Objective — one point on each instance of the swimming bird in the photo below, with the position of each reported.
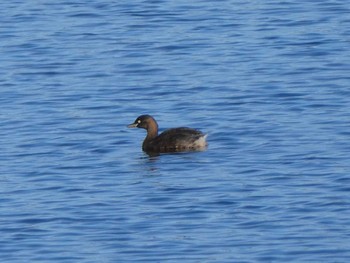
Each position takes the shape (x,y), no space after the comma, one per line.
(172,140)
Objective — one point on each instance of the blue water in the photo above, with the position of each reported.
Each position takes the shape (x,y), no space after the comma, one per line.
(268,81)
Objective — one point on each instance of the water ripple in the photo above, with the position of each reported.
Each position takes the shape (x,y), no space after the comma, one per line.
(268,82)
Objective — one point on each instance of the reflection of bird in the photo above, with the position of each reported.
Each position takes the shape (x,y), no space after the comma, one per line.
(172,140)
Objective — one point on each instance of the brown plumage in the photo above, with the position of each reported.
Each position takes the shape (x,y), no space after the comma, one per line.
(171,140)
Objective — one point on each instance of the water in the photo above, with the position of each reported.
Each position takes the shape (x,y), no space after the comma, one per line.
(268,81)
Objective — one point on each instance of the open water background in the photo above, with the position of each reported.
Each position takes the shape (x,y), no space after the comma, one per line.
(269,81)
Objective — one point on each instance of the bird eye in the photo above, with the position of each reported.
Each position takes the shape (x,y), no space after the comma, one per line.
(138,121)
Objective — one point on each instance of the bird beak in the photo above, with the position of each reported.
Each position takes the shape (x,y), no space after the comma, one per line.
(133,125)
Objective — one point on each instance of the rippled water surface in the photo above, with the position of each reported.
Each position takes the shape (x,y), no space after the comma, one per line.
(268,81)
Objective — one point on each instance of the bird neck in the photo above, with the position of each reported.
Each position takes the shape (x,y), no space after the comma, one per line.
(152,132)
